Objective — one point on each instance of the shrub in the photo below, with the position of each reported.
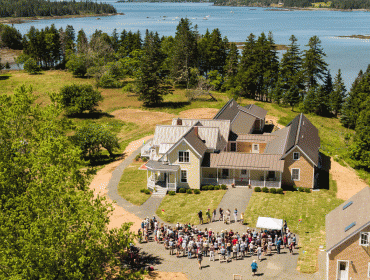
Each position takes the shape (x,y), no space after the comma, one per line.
(142,190)
(109,81)
(92,137)
(307,190)
(182,190)
(77,65)
(79,98)
(257,189)
(216,188)
(137,157)
(197,191)
(301,189)
(223,187)
(31,67)
(211,188)
(265,189)
(145,159)
(171,192)
(204,188)
(280,191)
(189,191)
(147,191)
(272,190)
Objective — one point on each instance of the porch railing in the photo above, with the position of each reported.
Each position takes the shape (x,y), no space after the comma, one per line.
(171,186)
(209,181)
(226,181)
(272,184)
(240,182)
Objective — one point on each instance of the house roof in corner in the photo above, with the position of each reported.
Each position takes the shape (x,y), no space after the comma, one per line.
(347,219)
(243,123)
(254,110)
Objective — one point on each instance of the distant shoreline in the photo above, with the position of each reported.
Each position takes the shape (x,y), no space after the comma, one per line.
(356,36)
(279,47)
(19,20)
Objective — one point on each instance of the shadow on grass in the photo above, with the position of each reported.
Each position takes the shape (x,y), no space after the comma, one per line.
(171,105)
(104,159)
(91,115)
(3,78)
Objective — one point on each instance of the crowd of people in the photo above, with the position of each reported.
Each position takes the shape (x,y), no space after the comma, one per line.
(186,240)
(225,216)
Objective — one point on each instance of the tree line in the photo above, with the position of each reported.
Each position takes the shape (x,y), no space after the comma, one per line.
(32,8)
(337,4)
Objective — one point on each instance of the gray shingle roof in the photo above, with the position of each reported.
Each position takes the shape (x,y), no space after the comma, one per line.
(304,135)
(243,123)
(338,219)
(244,161)
(254,110)
(195,142)
(276,145)
(228,111)
(157,165)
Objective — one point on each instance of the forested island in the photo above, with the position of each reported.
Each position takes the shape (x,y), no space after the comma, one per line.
(44,8)
(334,4)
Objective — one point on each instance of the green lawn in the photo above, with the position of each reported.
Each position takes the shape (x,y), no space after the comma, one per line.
(312,207)
(183,208)
(132,181)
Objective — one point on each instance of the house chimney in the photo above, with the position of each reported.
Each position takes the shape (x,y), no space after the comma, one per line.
(179,121)
(196,131)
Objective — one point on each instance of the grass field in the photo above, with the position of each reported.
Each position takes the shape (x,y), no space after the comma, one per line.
(183,208)
(132,181)
(312,207)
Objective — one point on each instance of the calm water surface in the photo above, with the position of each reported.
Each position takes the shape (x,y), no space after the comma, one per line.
(350,55)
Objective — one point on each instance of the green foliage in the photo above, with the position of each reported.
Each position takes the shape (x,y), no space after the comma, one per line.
(32,8)
(77,65)
(307,190)
(147,191)
(338,94)
(196,191)
(216,188)
(138,157)
(204,188)
(31,67)
(265,189)
(113,74)
(272,190)
(280,191)
(171,193)
(215,79)
(223,187)
(45,204)
(211,188)
(189,191)
(300,189)
(92,137)
(257,189)
(142,190)
(182,190)
(76,99)
(10,37)
(7,65)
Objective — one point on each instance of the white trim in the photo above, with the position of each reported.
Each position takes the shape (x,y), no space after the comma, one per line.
(368,270)
(348,237)
(183,151)
(368,237)
(299,174)
(258,148)
(178,143)
(327,266)
(346,269)
(299,155)
(296,146)
(183,170)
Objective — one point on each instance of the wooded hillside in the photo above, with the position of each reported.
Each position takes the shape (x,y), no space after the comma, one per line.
(31,8)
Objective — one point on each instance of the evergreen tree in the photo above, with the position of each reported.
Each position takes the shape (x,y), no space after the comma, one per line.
(184,52)
(231,67)
(204,53)
(149,80)
(314,65)
(115,40)
(310,100)
(82,43)
(322,101)
(218,51)
(338,94)
(272,67)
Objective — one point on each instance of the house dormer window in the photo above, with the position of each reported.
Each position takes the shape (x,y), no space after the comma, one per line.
(296,155)
(255,148)
(364,238)
(184,156)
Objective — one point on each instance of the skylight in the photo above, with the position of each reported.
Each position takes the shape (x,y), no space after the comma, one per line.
(347,205)
(350,226)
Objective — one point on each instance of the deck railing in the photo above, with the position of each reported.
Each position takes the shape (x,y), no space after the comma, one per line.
(239,182)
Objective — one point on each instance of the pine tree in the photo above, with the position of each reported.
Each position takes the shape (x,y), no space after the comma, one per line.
(149,80)
(272,67)
(115,40)
(310,101)
(204,53)
(184,53)
(231,67)
(338,94)
(82,43)
(314,66)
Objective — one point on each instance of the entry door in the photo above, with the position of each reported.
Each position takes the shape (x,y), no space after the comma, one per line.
(342,270)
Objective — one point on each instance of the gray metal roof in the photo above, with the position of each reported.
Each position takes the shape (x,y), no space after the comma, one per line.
(262,138)
(304,135)
(244,161)
(338,219)
(210,135)
(254,110)
(276,145)
(243,123)
(160,166)
(195,142)
(169,134)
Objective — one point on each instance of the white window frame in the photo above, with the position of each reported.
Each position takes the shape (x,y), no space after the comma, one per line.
(184,156)
(186,176)
(368,237)
(368,270)
(338,261)
(296,153)
(299,174)
(256,151)
(236,147)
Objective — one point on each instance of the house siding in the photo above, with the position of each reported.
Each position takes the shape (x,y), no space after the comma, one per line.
(193,167)
(246,147)
(350,251)
(306,170)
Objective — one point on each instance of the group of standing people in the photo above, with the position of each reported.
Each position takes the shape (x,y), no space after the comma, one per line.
(225,216)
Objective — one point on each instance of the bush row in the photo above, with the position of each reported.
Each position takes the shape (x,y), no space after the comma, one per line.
(267,190)
(146,191)
(189,191)
(211,188)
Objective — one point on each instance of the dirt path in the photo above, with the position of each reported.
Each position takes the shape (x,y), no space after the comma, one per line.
(274,120)
(348,182)
(161,275)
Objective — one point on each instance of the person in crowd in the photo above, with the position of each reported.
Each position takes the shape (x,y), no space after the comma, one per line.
(294,241)
(242,218)
(221,214)
(278,244)
(200,258)
(212,253)
(208,214)
(200,215)
(235,215)
(259,253)
(214,215)
(254,267)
